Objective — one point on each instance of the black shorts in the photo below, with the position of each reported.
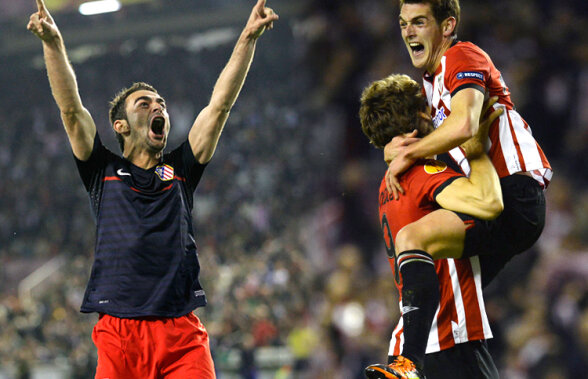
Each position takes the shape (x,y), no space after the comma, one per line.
(513,232)
(470,360)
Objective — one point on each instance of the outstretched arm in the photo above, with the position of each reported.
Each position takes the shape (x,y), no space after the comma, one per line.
(207,128)
(77,120)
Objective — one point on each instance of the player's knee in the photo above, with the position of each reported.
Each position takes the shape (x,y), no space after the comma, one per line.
(409,238)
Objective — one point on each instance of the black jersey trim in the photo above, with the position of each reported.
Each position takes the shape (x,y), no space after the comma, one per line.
(468,85)
(444,185)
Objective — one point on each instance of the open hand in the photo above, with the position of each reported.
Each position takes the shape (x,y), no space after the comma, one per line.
(42,25)
(397,144)
(261,18)
(394,155)
(397,167)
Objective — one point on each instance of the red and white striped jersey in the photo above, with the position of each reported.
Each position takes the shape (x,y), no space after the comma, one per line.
(461,316)
(512,146)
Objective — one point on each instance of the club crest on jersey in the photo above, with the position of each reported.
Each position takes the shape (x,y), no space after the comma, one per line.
(433,166)
(165,172)
(470,75)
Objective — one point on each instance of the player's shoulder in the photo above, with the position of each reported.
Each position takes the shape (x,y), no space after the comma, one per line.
(465,50)
(421,171)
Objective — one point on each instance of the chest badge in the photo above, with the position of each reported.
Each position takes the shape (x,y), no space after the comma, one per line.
(434,167)
(165,172)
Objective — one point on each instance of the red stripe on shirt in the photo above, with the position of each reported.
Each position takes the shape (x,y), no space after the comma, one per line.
(469,296)
(448,311)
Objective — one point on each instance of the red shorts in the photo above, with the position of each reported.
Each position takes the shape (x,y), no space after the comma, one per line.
(152,347)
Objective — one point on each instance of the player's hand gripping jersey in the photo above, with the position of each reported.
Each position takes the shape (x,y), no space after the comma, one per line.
(461,316)
(512,146)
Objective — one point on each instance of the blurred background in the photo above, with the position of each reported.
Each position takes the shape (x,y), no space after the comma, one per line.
(286,214)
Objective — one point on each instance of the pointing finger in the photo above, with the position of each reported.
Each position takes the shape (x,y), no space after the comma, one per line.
(259,7)
(41,5)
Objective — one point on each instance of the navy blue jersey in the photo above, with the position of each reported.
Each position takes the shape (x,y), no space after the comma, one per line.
(145,262)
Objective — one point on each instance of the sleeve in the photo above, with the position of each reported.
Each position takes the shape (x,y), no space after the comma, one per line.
(92,173)
(466,67)
(183,158)
(92,168)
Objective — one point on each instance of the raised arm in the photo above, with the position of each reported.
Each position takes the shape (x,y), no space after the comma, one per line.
(479,194)
(77,121)
(207,128)
(459,126)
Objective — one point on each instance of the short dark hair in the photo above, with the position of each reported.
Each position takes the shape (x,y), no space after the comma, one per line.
(391,107)
(117,109)
(442,9)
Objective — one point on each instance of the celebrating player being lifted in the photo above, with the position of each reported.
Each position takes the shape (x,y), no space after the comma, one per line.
(457,77)
(144,280)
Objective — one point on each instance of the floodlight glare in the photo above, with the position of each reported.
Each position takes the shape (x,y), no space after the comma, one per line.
(97,7)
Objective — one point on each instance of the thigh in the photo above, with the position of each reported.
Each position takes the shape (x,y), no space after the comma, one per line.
(186,351)
(516,229)
(469,360)
(440,233)
(524,211)
(521,224)
(118,357)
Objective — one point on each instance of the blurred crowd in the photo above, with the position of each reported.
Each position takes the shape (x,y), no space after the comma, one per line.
(286,213)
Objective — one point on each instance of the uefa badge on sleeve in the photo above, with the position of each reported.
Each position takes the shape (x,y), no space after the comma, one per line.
(165,172)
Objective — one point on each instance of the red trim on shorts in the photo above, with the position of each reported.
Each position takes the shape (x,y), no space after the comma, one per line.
(469,224)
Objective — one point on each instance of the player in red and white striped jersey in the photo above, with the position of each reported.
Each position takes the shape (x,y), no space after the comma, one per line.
(512,146)
(445,293)
(458,76)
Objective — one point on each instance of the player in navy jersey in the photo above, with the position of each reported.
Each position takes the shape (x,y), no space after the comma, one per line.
(144,280)
(418,231)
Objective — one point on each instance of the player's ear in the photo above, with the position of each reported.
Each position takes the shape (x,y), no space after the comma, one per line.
(426,124)
(121,126)
(425,116)
(448,26)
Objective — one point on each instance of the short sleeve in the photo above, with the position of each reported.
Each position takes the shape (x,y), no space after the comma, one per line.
(183,160)
(94,165)
(429,178)
(466,67)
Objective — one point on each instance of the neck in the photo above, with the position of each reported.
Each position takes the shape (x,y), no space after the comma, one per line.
(443,47)
(143,159)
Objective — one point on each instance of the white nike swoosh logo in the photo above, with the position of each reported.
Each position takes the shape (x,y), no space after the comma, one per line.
(407,309)
(120,172)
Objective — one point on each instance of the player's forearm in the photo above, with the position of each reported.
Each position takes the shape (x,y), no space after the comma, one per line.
(452,133)
(461,124)
(486,185)
(231,79)
(61,77)
(207,128)
(479,195)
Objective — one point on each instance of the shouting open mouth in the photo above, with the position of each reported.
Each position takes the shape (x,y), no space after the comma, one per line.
(158,127)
